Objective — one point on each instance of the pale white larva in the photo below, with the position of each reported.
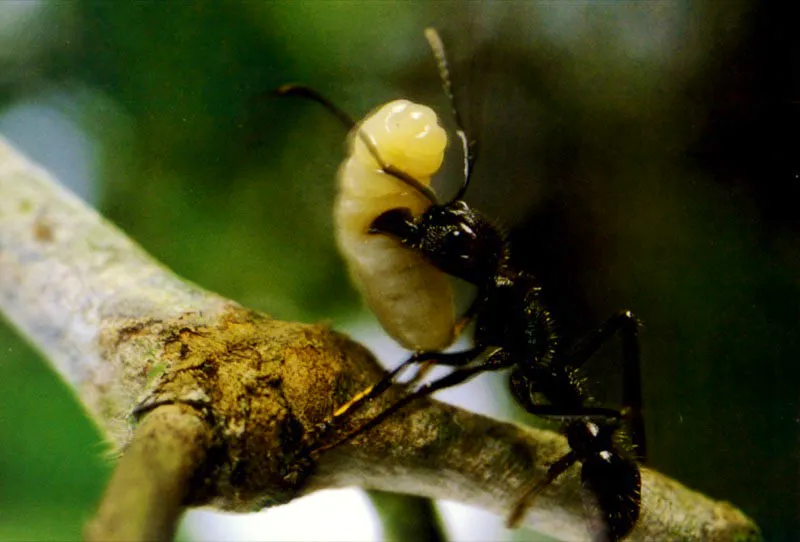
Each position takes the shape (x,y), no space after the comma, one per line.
(412,300)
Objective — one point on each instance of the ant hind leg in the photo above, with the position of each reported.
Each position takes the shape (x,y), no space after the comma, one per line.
(627,325)
(532,490)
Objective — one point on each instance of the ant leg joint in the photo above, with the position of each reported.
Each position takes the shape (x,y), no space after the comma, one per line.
(628,316)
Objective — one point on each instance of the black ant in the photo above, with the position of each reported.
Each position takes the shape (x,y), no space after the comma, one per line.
(514,330)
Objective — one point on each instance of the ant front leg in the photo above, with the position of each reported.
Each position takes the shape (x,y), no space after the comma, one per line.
(357,401)
(627,325)
(498,360)
(424,359)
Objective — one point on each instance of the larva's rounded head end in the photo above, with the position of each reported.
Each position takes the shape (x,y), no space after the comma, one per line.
(407,136)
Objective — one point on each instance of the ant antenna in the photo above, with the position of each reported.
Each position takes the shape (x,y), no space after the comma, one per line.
(309,93)
(467,147)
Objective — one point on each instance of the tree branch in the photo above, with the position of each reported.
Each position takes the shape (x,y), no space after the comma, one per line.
(144,499)
(209,400)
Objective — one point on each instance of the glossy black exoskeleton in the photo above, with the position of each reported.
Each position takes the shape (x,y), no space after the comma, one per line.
(514,330)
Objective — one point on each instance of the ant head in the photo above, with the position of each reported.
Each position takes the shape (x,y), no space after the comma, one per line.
(453,237)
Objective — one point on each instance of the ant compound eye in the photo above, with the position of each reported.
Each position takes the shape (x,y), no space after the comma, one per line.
(407,136)
(456,241)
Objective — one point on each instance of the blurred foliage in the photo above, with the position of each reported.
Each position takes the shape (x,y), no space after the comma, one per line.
(396,510)
(637,151)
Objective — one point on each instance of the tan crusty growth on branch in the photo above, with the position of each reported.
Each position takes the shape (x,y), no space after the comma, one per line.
(208,401)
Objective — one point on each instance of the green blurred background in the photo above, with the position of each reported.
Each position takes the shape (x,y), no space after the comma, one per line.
(640,155)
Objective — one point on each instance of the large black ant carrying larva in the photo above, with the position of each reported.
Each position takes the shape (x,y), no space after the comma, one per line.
(513,330)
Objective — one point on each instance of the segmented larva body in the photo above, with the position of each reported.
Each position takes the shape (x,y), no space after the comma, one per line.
(411,299)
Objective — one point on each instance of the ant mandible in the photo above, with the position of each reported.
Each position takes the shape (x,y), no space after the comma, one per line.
(513,330)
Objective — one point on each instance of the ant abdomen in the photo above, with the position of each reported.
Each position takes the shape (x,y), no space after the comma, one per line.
(614,483)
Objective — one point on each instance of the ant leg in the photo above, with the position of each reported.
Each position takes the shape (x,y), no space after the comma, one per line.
(429,360)
(453,359)
(627,325)
(533,489)
(519,390)
(359,399)
(309,93)
(560,413)
(374,390)
(498,360)
(425,359)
